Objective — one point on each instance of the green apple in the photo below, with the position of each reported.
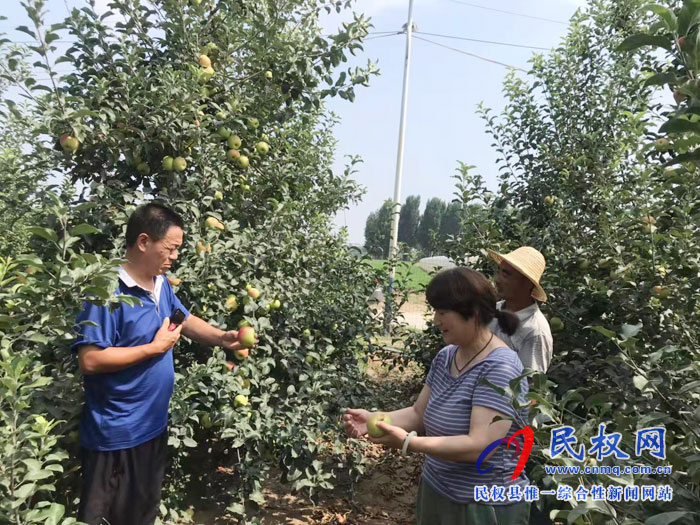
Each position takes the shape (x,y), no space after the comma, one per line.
(179,164)
(207,73)
(240,400)
(243,323)
(243,161)
(262,147)
(246,337)
(69,143)
(245,187)
(143,168)
(254,123)
(234,141)
(662,144)
(661,291)
(372,428)
(248,286)
(167,163)
(218,195)
(268,75)
(275,304)
(205,420)
(556,324)
(307,333)
(231,303)
(223,132)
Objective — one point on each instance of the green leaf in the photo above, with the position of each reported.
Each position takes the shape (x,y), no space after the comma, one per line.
(631,330)
(661,79)
(669,517)
(601,330)
(679,125)
(666,15)
(641,40)
(189,442)
(640,382)
(45,233)
(84,229)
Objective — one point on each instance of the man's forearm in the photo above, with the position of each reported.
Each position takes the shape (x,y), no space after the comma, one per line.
(201,331)
(94,360)
(448,448)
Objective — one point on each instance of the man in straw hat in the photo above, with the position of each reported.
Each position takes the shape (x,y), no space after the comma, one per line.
(518,283)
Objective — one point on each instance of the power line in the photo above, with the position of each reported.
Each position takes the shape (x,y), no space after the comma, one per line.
(470,54)
(483,41)
(383,36)
(508,12)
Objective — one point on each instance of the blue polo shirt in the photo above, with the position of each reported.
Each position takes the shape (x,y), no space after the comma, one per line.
(127,408)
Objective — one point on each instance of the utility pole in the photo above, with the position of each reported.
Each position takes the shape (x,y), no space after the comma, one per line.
(393,243)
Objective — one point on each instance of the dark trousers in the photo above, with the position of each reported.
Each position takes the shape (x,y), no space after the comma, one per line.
(122,487)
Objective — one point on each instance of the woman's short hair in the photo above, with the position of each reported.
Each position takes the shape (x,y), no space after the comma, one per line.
(468,293)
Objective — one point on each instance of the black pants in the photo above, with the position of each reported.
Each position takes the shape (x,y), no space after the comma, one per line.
(122,487)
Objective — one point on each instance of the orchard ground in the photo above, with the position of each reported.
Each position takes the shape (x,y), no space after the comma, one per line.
(386,493)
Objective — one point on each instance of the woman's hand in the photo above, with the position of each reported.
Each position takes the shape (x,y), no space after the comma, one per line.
(393,436)
(355,420)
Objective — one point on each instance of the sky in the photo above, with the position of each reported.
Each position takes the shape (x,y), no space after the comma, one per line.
(445,87)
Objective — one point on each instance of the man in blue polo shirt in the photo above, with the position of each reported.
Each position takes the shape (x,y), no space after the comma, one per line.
(127,361)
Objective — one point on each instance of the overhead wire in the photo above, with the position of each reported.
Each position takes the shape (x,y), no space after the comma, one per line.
(477,6)
(470,54)
(482,41)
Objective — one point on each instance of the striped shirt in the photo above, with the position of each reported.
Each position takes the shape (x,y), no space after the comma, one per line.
(448,414)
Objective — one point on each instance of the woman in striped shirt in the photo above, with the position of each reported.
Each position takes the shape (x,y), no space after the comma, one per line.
(457,414)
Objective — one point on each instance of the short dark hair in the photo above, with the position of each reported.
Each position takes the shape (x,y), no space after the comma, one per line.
(468,293)
(154,220)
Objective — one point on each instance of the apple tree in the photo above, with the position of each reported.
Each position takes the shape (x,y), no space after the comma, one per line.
(217,109)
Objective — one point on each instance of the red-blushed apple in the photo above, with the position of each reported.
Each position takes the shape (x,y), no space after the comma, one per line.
(233,154)
(230,365)
(246,337)
(241,354)
(254,293)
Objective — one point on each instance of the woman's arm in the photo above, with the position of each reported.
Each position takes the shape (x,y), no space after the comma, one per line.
(467,448)
(411,418)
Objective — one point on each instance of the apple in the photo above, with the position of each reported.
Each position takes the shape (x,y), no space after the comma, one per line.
(230,365)
(201,248)
(204,61)
(307,333)
(233,154)
(242,354)
(583,265)
(231,303)
(254,123)
(218,195)
(254,293)
(649,220)
(243,161)
(661,291)
(245,383)
(143,168)
(205,420)
(648,228)
(174,281)
(268,75)
(662,144)
(246,337)
(69,143)
(240,400)
(372,428)
(167,163)
(207,73)
(678,96)
(223,132)
(681,40)
(243,323)
(214,223)
(179,164)
(221,114)
(234,141)
(262,147)
(245,187)
(556,324)
(309,359)
(210,49)
(275,304)
(549,200)
(248,286)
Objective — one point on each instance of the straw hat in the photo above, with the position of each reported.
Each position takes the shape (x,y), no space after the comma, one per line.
(528,262)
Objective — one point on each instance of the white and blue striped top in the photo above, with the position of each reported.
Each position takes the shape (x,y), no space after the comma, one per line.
(448,413)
